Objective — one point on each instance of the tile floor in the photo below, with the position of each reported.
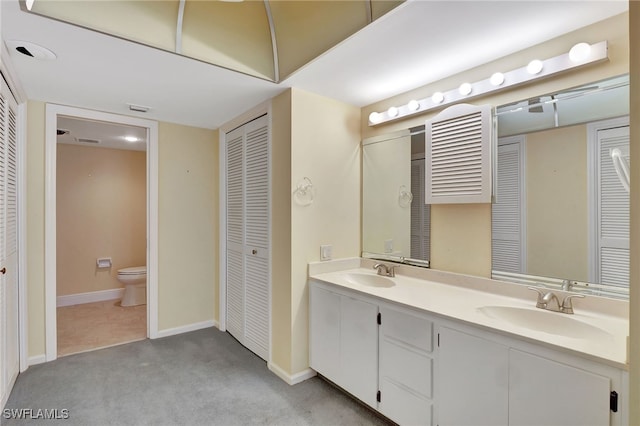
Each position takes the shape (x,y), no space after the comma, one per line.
(96,325)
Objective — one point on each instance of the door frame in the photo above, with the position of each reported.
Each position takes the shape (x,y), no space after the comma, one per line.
(52,113)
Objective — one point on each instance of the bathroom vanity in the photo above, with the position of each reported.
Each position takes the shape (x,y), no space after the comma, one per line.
(434,348)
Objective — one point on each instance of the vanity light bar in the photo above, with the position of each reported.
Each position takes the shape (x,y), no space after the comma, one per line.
(580,55)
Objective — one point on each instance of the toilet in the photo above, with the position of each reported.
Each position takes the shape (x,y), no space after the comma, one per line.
(135,285)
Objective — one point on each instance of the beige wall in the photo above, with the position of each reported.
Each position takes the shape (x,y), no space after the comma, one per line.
(188,225)
(461,234)
(634,308)
(325,146)
(101,212)
(281,231)
(557,206)
(187,230)
(385,167)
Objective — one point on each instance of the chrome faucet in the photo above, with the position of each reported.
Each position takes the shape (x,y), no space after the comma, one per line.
(567,285)
(545,300)
(385,270)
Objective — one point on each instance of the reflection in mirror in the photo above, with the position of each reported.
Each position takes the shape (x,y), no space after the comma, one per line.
(561,216)
(395,218)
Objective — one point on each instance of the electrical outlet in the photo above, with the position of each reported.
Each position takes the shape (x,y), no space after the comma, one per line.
(325,252)
(388,246)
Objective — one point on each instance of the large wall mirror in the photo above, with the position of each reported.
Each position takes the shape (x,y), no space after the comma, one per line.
(561,216)
(561,213)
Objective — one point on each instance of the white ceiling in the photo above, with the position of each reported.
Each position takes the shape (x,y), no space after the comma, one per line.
(417,43)
(107,135)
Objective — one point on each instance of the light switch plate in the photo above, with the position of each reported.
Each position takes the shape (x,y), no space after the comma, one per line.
(388,246)
(325,252)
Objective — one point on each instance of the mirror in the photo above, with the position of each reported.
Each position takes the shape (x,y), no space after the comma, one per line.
(395,219)
(561,214)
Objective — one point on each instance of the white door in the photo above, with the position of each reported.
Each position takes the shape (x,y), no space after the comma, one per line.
(248,286)
(508,250)
(9,345)
(471,380)
(612,211)
(420,213)
(546,393)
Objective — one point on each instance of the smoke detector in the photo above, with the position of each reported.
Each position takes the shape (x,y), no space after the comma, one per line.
(31,50)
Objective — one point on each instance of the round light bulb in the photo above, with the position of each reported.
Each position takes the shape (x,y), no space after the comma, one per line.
(580,52)
(465,89)
(413,105)
(437,98)
(375,117)
(131,139)
(534,66)
(497,79)
(392,112)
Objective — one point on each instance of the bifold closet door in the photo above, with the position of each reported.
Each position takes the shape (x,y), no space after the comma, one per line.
(248,235)
(9,341)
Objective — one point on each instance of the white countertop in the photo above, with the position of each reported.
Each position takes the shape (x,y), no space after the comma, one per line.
(464,303)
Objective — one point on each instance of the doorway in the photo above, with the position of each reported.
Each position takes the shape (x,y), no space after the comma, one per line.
(103,268)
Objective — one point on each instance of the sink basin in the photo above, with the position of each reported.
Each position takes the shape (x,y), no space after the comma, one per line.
(545,321)
(369,280)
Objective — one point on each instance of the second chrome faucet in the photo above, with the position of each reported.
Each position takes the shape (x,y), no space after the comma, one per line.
(550,301)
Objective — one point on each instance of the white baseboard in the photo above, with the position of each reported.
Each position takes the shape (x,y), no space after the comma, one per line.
(38,359)
(186,328)
(289,378)
(90,297)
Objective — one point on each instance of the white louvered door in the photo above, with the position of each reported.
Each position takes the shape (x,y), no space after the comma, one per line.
(9,349)
(507,213)
(248,235)
(613,211)
(458,149)
(420,213)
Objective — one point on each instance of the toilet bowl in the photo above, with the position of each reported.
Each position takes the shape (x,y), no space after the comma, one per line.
(135,285)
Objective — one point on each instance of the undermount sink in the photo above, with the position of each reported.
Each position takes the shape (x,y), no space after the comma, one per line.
(369,280)
(544,321)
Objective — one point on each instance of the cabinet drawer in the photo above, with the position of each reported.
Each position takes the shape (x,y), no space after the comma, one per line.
(406,366)
(403,406)
(408,329)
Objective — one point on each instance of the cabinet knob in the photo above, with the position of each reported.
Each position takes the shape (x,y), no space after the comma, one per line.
(3,271)
(254,251)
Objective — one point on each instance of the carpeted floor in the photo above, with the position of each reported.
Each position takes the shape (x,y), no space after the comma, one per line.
(200,378)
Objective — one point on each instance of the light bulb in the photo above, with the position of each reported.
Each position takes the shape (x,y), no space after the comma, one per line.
(131,139)
(413,105)
(437,98)
(392,111)
(497,79)
(580,52)
(534,66)
(375,117)
(29,4)
(465,89)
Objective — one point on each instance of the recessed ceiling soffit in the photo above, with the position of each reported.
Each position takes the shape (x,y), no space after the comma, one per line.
(268,39)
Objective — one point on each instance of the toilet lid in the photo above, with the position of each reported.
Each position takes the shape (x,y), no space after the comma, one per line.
(134,270)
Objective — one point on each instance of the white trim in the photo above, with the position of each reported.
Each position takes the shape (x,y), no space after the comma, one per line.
(593,171)
(269,231)
(179,26)
(187,328)
(89,297)
(37,359)
(52,112)
(291,379)
(23,318)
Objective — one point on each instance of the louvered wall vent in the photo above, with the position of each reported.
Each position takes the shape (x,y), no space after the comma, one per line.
(458,147)
(86,140)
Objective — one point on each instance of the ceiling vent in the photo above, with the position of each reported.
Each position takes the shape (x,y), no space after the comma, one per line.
(86,140)
(138,108)
(31,50)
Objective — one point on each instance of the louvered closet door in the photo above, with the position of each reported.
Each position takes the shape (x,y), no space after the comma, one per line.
(8,241)
(248,235)
(613,210)
(420,213)
(507,223)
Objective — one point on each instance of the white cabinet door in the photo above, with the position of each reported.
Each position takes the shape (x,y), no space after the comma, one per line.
(324,332)
(471,380)
(544,392)
(359,349)
(406,367)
